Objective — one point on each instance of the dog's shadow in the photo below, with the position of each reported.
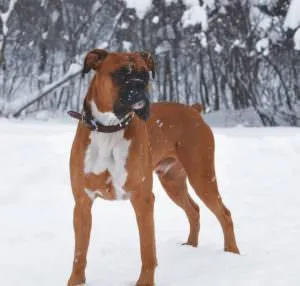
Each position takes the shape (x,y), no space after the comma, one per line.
(108,283)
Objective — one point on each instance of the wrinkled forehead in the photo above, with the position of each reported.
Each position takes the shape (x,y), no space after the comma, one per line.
(115,61)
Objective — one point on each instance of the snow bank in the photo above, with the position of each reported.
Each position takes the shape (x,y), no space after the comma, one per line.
(231,118)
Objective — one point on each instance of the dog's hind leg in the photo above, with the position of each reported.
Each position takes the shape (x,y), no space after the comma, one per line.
(173,178)
(82,227)
(207,190)
(197,157)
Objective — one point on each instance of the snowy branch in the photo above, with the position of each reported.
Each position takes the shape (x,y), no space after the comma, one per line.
(74,71)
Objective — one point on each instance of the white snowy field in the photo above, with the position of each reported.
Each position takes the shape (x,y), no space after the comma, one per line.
(258,172)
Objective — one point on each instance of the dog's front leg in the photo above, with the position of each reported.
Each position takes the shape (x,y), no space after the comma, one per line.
(82,227)
(143,205)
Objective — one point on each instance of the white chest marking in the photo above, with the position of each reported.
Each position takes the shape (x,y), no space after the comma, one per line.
(93,194)
(108,151)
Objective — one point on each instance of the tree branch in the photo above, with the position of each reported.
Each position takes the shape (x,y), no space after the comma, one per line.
(48,89)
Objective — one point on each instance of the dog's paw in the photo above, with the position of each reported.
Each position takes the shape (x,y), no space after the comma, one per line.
(76,281)
(233,249)
(191,243)
(144,282)
(81,284)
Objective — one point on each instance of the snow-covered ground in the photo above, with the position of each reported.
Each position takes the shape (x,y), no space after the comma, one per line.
(258,171)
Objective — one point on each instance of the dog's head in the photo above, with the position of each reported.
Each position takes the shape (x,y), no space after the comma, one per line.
(121,83)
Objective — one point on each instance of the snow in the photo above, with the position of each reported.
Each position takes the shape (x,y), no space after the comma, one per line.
(270,3)
(44,77)
(5,16)
(262,45)
(297,40)
(44,35)
(124,25)
(209,3)
(54,16)
(203,39)
(292,19)
(265,23)
(95,7)
(74,68)
(258,174)
(126,46)
(67,37)
(238,43)
(43,115)
(195,15)
(155,20)
(232,118)
(218,48)
(169,2)
(141,6)
(103,45)
(15,105)
(162,48)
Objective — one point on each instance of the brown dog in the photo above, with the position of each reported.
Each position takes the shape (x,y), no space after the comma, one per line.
(117,146)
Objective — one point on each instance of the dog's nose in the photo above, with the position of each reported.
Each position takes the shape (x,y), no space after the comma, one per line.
(135,83)
(134,90)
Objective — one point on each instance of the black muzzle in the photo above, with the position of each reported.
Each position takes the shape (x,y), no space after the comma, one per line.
(134,96)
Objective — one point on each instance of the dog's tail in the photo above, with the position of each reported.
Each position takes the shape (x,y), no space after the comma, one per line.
(197,106)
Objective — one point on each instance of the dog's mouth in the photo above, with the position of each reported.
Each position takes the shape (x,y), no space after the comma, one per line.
(140,108)
(133,96)
(138,105)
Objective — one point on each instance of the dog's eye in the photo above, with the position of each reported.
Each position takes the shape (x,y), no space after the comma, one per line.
(126,70)
(121,74)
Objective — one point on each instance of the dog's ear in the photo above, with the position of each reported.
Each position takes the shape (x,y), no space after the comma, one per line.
(93,59)
(147,57)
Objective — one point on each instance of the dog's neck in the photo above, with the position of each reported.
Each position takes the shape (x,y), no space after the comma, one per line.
(97,105)
(98,112)
(105,118)
(104,122)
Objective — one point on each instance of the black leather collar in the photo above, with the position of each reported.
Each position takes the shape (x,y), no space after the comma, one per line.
(90,122)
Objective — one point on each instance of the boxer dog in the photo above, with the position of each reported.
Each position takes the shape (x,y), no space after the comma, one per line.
(121,139)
